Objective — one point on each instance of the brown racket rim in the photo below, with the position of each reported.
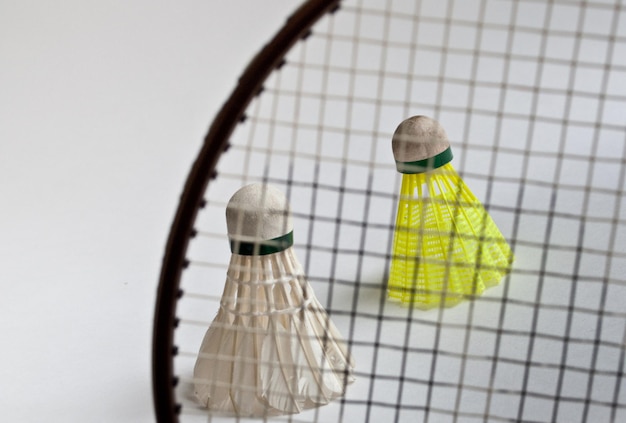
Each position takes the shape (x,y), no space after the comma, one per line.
(249,85)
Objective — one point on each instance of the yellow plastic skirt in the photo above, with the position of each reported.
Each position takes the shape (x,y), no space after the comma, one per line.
(446,246)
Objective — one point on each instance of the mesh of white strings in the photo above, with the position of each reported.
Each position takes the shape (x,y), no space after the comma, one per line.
(532,95)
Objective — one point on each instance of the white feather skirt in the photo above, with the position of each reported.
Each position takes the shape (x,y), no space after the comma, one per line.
(272,348)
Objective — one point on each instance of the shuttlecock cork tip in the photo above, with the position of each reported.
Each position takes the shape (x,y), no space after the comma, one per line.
(420,144)
(259,220)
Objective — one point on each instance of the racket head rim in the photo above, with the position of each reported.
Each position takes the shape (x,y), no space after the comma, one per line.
(250,84)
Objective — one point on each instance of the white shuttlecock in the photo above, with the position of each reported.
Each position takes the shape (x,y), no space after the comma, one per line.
(272,348)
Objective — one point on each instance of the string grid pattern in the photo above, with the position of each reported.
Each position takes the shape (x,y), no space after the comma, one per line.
(533,97)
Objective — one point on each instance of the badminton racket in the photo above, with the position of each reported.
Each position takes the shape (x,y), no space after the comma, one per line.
(532,95)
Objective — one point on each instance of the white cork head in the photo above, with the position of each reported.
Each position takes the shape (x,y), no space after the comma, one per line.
(418,138)
(258,212)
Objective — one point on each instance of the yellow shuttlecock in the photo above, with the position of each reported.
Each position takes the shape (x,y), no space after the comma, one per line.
(446,246)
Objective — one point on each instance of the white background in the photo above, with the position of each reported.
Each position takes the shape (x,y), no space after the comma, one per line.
(103,107)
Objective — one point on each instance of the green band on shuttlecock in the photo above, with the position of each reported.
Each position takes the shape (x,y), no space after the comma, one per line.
(426,165)
(262,248)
